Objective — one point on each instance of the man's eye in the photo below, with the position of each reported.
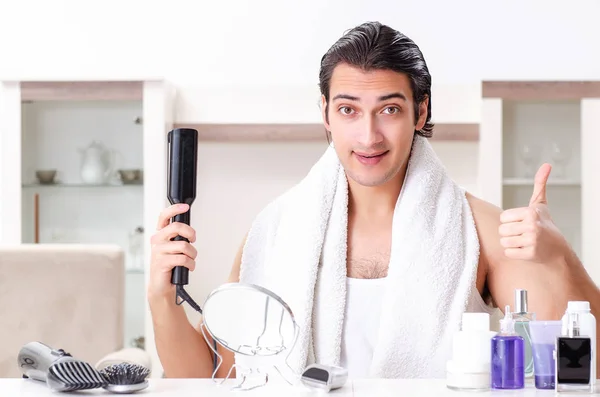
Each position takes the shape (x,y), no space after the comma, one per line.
(345,110)
(391,110)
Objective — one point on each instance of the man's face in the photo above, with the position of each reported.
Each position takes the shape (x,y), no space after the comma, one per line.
(372,123)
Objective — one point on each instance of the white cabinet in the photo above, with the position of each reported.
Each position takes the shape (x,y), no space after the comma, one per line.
(526,124)
(44,126)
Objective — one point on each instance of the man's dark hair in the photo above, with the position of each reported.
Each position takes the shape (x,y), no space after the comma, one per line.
(374,46)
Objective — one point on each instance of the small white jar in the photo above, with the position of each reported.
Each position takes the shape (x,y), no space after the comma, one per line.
(473,377)
(470,366)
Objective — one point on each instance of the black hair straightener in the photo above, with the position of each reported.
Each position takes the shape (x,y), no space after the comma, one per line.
(181,180)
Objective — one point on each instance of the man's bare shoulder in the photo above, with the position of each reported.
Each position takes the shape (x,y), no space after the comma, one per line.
(487,221)
(484,212)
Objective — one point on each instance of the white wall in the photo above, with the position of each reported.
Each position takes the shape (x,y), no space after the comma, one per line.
(258,60)
(280,43)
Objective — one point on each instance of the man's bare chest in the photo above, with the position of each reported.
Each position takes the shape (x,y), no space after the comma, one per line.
(369,247)
(368,259)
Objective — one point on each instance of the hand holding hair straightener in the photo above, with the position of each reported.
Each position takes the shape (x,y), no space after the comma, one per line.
(173,255)
(183,163)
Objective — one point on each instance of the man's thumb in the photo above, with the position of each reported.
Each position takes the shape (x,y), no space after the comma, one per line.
(539,185)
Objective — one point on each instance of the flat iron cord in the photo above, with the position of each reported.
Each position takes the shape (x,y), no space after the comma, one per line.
(181,293)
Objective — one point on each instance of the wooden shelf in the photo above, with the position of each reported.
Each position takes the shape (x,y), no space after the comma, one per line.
(80,185)
(308,132)
(81,90)
(540,90)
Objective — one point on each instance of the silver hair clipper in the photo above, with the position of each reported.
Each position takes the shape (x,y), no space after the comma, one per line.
(57,368)
(36,358)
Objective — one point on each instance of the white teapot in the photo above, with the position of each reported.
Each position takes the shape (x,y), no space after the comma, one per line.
(97,163)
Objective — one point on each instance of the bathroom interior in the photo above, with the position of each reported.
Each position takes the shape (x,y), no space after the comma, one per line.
(84,164)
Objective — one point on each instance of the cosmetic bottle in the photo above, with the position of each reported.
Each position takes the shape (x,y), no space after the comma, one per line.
(522,317)
(587,326)
(508,355)
(574,358)
(469,367)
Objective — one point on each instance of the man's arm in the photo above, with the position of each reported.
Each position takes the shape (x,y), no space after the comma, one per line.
(522,248)
(549,285)
(182,351)
(181,347)
(227,356)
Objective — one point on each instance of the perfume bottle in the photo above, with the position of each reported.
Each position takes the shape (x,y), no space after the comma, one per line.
(522,317)
(574,359)
(508,355)
(587,326)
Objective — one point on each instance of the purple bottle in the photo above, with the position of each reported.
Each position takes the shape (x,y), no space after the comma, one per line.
(508,356)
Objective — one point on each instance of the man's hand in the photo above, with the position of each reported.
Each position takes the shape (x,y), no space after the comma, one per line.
(528,233)
(166,254)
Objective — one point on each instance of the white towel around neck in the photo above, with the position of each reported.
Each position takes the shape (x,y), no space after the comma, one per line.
(296,247)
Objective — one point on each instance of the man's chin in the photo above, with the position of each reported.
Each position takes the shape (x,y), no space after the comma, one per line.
(370,180)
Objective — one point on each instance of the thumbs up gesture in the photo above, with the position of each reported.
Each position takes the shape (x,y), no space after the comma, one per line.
(528,233)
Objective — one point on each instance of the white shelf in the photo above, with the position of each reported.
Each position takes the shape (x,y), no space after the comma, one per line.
(530,182)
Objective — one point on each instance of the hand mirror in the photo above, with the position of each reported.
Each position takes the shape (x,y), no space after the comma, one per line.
(256,325)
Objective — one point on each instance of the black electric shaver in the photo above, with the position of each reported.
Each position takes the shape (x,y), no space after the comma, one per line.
(181,180)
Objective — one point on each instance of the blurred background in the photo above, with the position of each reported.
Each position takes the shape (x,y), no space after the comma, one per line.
(89,89)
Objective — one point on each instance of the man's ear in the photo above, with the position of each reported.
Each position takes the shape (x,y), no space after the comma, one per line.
(324,111)
(422,114)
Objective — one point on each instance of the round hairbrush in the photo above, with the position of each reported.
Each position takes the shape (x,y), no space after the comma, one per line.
(125,378)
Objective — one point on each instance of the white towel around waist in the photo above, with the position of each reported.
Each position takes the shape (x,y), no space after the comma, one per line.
(296,247)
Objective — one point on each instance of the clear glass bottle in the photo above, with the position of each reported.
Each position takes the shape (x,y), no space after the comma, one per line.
(508,355)
(574,359)
(522,317)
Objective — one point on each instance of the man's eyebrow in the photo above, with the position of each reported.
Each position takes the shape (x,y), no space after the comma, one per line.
(346,96)
(398,95)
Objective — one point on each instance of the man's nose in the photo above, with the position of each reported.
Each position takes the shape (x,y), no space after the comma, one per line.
(369,134)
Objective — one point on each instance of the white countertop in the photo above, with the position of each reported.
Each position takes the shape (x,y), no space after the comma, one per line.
(206,388)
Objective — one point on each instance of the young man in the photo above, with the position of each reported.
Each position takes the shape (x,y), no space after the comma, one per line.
(417,248)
